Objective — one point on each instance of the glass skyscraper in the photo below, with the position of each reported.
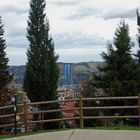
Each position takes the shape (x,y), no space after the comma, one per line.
(68,74)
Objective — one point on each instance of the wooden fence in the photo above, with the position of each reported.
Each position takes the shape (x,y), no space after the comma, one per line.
(26,114)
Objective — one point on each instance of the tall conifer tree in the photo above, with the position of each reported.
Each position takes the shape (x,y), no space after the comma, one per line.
(5,76)
(137,69)
(41,75)
(118,74)
(138,23)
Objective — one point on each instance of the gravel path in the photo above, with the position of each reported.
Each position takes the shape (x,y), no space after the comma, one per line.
(84,135)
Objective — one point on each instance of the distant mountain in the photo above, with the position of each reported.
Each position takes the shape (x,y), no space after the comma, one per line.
(70,73)
(18,72)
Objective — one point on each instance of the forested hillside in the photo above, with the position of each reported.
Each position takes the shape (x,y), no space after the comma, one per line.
(81,71)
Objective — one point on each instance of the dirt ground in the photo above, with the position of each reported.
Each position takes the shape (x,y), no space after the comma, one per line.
(84,135)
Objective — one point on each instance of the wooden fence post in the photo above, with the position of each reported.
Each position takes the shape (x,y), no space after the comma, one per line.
(25,117)
(81,111)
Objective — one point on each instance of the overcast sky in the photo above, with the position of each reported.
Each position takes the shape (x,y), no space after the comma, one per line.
(80,28)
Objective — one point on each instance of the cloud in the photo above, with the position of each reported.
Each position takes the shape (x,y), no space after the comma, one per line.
(80,54)
(113,14)
(106,14)
(83,12)
(14,18)
(17,56)
(77,39)
(15,30)
(18,42)
(13,9)
(65,2)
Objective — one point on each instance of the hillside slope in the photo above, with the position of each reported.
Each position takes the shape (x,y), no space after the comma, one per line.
(79,72)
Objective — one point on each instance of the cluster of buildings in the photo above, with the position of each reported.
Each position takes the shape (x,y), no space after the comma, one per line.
(66,93)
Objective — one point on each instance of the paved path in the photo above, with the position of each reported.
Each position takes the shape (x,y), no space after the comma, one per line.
(84,135)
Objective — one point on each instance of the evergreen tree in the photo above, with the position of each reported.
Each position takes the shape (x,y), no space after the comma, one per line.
(5,76)
(137,59)
(41,75)
(117,75)
(138,23)
(42,72)
(137,70)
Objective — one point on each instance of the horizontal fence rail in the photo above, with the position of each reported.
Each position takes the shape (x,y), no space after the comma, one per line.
(52,111)
(110,117)
(111,107)
(111,98)
(51,102)
(26,114)
(54,120)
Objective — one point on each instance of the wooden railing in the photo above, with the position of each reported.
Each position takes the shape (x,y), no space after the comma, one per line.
(24,111)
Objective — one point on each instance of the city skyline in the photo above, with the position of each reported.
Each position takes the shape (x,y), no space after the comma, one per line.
(80,29)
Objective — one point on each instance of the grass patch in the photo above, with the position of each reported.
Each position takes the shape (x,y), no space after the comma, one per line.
(114,128)
(31,133)
(6,136)
(80,69)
